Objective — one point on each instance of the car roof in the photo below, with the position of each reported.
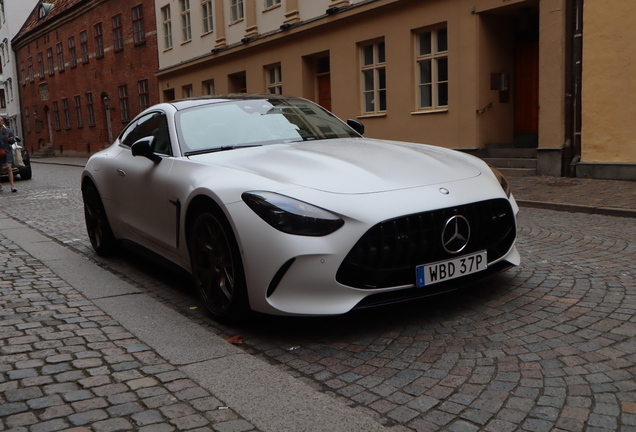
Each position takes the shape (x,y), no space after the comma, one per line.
(205,100)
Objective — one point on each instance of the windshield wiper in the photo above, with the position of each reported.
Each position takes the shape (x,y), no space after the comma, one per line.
(219,149)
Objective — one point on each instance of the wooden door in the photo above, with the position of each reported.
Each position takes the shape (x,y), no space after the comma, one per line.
(324,91)
(527,94)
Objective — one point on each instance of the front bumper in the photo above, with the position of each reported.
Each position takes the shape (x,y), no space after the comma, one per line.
(297,275)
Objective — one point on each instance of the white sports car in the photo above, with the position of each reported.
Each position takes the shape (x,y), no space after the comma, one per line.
(275,205)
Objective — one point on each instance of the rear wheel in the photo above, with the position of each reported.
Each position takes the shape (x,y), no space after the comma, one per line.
(25,172)
(217,267)
(99,231)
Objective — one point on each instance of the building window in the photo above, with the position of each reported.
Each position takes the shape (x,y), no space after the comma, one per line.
(118,33)
(78,110)
(186,28)
(40,66)
(206,12)
(22,73)
(208,87)
(124,107)
(237,12)
(84,46)
(186,91)
(30,63)
(36,119)
(67,114)
(138,25)
(144,95)
(71,52)
(56,116)
(373,78)
(167,27)
(99,40)
(3,100)
(432,69)
(90,110)
(28,119)
(271,3)
(60,57)
(274,79)
(49,58)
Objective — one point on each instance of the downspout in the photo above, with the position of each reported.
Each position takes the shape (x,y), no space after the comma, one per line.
(568,147)
(573,77)
(578,80)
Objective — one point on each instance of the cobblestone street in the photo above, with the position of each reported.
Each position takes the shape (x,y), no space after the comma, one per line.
(547,346)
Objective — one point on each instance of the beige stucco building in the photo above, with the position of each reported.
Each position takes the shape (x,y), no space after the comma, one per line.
(463,74)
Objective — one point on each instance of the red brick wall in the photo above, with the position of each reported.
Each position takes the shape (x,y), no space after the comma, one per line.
(101,76)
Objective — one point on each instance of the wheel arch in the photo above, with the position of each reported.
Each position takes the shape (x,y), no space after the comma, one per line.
(199,203)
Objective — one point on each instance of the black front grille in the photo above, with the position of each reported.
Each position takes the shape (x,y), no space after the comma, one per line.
(387,255)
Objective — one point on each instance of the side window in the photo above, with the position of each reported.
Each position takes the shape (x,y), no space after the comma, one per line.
(153,124)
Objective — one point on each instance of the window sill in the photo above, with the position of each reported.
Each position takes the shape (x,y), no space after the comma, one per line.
(207,33)
(276,6)
(372,115)
(432,111)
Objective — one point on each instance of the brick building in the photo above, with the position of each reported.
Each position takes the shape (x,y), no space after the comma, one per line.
(85,68)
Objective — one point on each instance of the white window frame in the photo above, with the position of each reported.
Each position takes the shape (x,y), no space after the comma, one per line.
(186,24)
(237,11)
(431,68)
(208,87)
(274,78)
(167,27)
(207,16)
(373,78)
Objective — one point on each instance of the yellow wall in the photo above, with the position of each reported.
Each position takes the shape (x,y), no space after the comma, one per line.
(609,82)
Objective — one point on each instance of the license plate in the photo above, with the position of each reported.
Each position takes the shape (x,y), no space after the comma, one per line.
(441,271)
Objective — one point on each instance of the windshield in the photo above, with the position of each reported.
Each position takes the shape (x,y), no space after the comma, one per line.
(256,122)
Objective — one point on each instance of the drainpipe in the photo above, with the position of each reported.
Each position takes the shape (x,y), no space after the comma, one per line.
(568,150)
(573,77)
(578,78)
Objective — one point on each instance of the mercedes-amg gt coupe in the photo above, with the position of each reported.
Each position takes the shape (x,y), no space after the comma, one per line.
(275,205)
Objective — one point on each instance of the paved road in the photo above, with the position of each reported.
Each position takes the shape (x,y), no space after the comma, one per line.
(548,346)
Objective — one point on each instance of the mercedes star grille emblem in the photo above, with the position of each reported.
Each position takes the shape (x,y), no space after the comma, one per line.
(456,234)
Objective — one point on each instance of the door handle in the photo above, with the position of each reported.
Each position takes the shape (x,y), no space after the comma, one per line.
(121,172)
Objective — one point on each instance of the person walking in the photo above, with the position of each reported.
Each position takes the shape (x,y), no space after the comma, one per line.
(6,163)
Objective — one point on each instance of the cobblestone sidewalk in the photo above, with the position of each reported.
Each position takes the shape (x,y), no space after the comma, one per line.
(67,365)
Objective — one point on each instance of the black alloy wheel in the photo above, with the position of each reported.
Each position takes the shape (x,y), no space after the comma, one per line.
(25,172)
(99,231)
(217,267)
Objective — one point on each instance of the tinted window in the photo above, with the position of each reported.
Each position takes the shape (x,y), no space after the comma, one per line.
(153,124)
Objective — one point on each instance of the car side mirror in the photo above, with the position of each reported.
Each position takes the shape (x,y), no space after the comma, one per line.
(143,147)
(356,126)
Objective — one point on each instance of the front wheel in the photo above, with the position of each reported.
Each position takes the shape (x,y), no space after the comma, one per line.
(99,231)
(217,267)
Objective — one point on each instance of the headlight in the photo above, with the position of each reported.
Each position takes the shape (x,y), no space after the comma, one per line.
(502,180)
(292,216)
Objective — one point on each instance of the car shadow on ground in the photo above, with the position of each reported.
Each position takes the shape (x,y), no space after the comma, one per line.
(175,287)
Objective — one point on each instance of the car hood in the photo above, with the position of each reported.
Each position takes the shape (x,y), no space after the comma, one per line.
(349,166)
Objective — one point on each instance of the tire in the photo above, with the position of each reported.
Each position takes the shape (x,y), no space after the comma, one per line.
(217,267)
(99,231)
(25,173)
